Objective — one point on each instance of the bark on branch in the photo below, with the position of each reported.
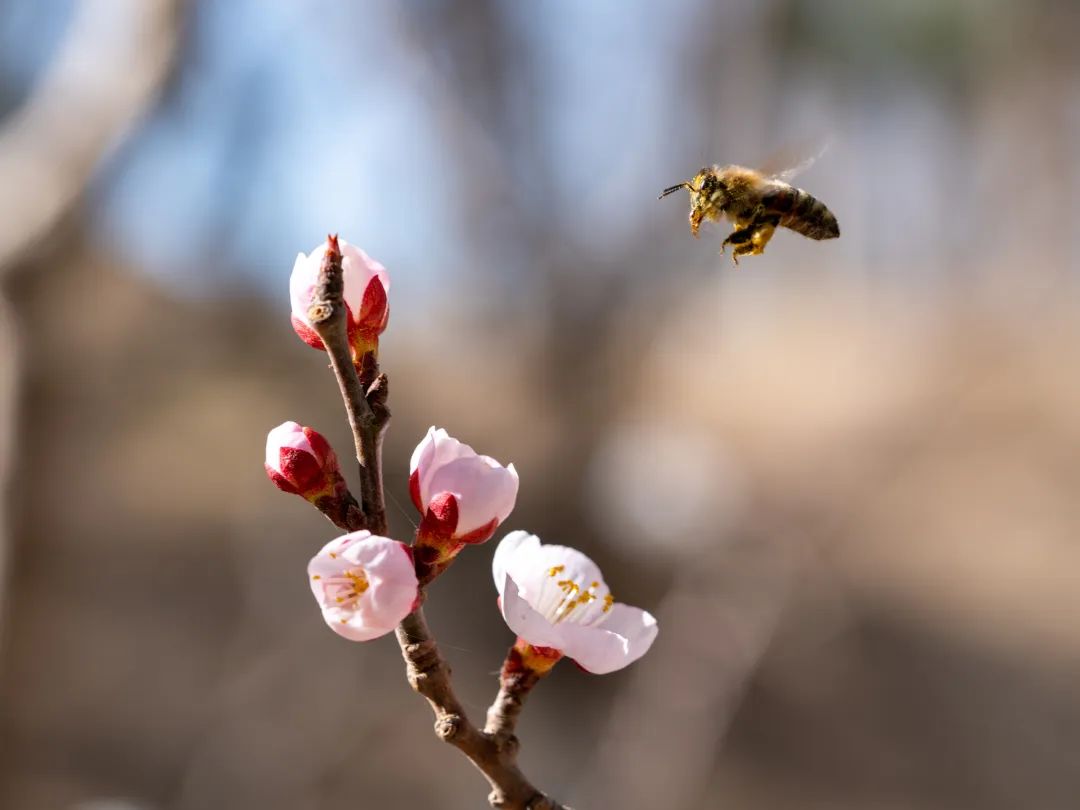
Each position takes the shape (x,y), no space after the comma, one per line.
(364,392)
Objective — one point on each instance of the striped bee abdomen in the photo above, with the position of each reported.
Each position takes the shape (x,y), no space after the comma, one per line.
(801,212)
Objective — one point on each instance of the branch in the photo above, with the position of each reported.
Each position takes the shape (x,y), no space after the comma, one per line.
(515,683)
(495,755)
(493,752)
(367,410)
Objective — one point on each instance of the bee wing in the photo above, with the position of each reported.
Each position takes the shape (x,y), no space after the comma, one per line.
(786,167)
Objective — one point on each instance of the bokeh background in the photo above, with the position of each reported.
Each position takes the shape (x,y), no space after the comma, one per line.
(845,477)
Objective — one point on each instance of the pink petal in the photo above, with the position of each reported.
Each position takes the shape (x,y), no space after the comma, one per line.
(424,453)
(483,491)
(287,434)
(358,270)
(354,627)
(305,274)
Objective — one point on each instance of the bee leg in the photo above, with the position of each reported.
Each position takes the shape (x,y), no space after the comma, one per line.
(764,228)
(742,240)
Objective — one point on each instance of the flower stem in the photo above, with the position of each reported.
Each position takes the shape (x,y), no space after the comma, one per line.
(366,410)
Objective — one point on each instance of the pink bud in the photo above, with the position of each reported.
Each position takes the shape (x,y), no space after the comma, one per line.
(300,461)
(462,496)
(364,584)
(366,286)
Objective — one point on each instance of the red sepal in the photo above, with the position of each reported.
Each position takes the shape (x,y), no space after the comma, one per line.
(307,334)
(442,516)
(481,535)
(414,491)
(279,480)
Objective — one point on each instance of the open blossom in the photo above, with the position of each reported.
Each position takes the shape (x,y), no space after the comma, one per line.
(555,597)
(365,584)
(366,286)
(462,496)
(300,461)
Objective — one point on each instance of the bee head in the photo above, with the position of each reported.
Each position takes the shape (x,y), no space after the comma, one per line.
(707,182)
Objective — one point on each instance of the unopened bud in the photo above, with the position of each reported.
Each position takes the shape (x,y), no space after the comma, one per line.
(366,284)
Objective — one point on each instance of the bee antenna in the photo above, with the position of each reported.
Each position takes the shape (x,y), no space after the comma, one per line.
(671,190)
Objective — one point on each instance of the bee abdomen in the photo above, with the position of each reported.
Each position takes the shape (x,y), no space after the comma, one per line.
(801,212)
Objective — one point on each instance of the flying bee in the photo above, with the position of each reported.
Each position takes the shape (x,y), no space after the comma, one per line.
(756,203)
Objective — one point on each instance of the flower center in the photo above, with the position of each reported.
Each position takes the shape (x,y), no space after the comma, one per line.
(346,588)
(571,600)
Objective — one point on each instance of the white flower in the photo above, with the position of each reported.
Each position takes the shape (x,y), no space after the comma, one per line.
(555,596)
(365,584)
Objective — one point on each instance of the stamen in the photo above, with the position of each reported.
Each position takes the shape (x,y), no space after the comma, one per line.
(555,570)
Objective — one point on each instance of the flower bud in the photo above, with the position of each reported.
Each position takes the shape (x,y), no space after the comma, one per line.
(462,496)
(364,584)
(300,461)
(366,284)
(556,601)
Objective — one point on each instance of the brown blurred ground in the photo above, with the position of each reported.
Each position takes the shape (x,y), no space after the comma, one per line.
(844,477)
(894,537)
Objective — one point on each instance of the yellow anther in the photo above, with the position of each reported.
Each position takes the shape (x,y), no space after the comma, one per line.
(555,570)
(609,600)
(316,577)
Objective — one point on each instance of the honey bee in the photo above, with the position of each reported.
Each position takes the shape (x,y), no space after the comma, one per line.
(756,203)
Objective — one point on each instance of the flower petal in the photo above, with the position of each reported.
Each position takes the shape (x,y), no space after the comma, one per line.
(358,270)
(287,434)
(352,626)
(625,635)
(525,621)
(305,273)
(514,544)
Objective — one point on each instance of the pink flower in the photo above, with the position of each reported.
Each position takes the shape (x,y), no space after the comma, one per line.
(365,584)
(300,461)
(366,286)
(462,496)
(555,597)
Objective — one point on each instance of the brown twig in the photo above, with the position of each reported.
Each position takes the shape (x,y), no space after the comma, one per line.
(493,752)
(367,411)
(503,714)
(343,511)
(495,755)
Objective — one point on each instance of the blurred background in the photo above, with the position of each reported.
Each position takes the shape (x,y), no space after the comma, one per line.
(844,477)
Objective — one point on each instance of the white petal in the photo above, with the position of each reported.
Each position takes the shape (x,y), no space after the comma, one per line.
(514,544)
(305,273)
(424,452)
(287,434)
(525,621)
(358,269)
(625,636)
(540,578)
